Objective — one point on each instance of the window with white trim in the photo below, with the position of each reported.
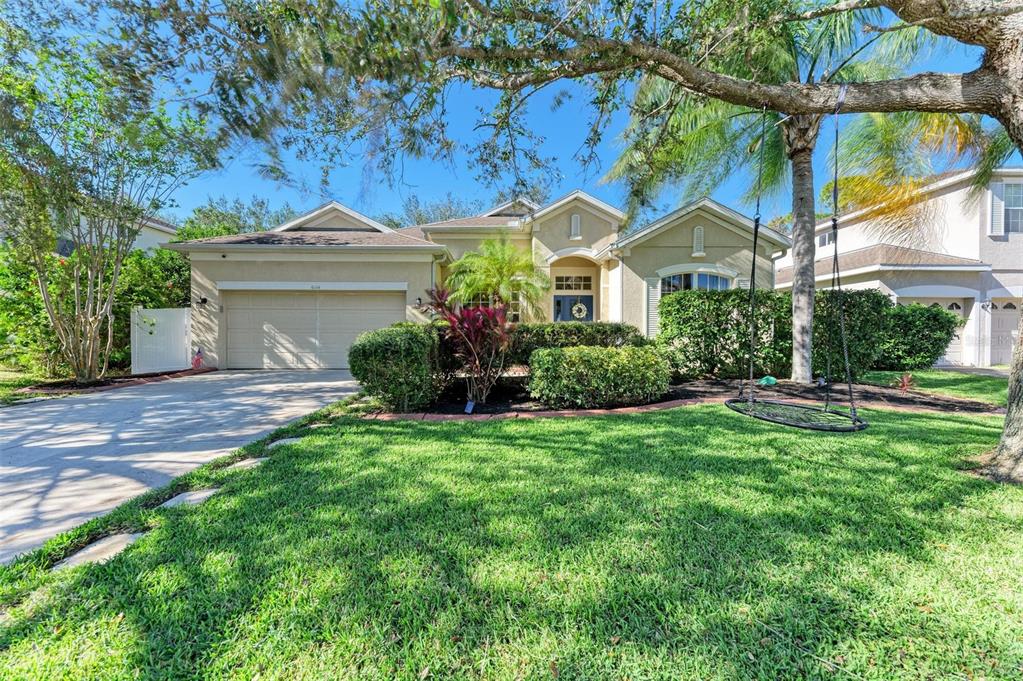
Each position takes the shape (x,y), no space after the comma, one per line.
(700,281)
(1013,207)
(575,231)
(514,307)
(826,239)
(573,283)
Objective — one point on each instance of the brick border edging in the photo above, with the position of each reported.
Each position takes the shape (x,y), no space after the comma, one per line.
(655,406)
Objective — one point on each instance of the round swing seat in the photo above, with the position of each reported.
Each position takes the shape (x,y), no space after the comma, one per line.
(808,416)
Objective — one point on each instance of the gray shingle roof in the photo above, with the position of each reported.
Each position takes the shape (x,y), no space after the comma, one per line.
(881,254)
(396,238)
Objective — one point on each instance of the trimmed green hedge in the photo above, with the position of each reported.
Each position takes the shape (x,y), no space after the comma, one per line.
(588,377)
(402,365)
(527,338)
(916,336)
(706,333)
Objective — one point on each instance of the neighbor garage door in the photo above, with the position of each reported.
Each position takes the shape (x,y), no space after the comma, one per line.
(288,330)
(1004,330)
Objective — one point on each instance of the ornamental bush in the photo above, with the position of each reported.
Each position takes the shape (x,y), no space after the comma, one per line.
(399,365)
(915,336)
(706,333)
(526,338)
(586,377)
(865,314)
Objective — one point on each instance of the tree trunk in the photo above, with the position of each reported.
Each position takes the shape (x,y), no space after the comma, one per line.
(1007,463)
(800,133)
(1008,460)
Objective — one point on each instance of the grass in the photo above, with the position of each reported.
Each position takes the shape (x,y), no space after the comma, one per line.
(690,543)
(990,389)
(13,379)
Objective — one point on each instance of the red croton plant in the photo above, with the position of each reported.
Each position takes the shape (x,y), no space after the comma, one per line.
(479,339)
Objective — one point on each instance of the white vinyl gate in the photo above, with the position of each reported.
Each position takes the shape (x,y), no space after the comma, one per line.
(161,340)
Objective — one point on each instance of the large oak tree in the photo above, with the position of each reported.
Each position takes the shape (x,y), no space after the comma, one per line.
(379,73)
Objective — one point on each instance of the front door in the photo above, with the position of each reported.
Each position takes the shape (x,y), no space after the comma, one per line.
(573,308)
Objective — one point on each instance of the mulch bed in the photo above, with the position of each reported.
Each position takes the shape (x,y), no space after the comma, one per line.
(510,398)
(874,396)
(69,387)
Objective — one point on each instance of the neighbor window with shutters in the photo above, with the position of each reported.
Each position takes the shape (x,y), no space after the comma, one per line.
(698,241)
(1013,207)
(700,281)
(576,230)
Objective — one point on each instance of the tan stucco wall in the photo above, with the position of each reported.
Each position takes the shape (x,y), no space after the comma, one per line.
(209,321)
(458,243)
(551,232)
(723,246)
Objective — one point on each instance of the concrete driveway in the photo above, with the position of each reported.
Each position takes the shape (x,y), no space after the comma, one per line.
(65,461)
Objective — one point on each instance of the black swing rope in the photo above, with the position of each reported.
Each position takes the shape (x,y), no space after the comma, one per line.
(794,414)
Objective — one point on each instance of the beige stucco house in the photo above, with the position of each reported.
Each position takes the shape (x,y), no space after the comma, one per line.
(963,251)
(298,295)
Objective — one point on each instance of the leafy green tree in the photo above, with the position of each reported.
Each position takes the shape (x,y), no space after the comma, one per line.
(223,216)
(374,76)
(87,159)
(415,211)
(501,272)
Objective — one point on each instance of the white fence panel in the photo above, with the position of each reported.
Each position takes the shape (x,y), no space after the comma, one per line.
(161,340)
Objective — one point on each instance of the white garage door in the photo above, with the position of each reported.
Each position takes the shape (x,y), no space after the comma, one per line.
(1004,330)
(288,330)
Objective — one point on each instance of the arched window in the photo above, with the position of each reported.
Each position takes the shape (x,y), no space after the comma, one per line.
(994,306)
(1009,306)
(955,307)
(698,240)
(701,281)
(937,305)
(576,230)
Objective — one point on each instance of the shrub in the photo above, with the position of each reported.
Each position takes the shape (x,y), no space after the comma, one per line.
(864,323)
(598,377)
(915,336)
(478,339)
(398,365)
(526,338)
(706,333)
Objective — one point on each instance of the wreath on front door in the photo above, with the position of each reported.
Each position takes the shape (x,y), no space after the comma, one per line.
(579,310)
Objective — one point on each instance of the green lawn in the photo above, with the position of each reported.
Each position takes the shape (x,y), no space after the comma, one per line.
(990,389)
(11,380)
(686,544)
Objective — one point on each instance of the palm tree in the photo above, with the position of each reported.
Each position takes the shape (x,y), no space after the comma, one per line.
(502,272)
(696,143)
(887,158)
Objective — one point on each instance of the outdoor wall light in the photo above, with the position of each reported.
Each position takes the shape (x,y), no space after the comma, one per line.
(419,302)
(203,300)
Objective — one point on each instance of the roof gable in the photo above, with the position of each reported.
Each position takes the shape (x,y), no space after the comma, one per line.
(515,208)
(590,201)
(332,216)
(719,212)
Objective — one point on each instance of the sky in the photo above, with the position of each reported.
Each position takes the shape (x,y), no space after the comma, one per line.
(564,130)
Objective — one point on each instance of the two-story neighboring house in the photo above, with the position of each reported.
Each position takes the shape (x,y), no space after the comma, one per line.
(965,255)
(298,295)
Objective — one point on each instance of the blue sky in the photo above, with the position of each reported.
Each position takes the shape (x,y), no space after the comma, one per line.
(564,130)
